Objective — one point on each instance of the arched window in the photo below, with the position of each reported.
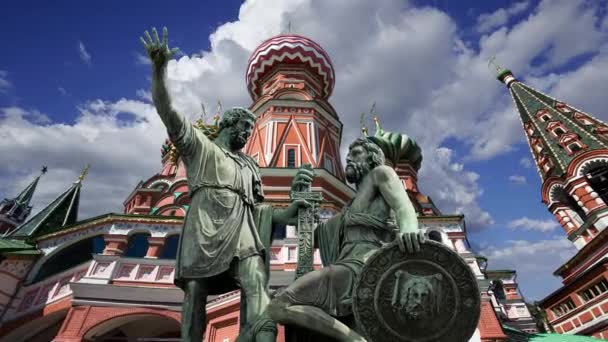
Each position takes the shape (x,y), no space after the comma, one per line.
(597,177)
(99,244)
(328,164)
(560,194)
(559,131)
(291,158)
(71,256)
(170,247)
(574,147)
(498,290)
(138,245)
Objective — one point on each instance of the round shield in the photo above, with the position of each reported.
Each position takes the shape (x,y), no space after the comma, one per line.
(431,295)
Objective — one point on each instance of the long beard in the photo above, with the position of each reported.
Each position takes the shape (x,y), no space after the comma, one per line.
(356,171)
(238,140)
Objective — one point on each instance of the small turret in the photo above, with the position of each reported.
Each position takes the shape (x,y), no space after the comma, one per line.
(14,212)
(63,211)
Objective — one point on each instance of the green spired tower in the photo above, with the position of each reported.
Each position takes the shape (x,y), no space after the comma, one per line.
(570,149)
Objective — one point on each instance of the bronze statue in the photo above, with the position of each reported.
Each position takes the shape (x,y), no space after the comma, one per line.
(346,240)
(225,241)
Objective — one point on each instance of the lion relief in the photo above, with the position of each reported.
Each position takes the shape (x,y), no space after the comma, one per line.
(416,298)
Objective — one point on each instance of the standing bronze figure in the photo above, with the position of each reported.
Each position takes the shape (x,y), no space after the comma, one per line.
(225,241)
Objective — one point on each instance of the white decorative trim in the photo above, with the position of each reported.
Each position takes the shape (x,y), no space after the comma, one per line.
(159,181)
(579,169)
(270,52)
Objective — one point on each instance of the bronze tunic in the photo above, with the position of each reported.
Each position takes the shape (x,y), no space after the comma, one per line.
(224,188)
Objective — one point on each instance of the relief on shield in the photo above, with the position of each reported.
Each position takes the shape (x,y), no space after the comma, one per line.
(416,298)
(428,296)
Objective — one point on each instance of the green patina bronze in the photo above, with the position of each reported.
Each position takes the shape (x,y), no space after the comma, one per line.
(227,231)
(321,300)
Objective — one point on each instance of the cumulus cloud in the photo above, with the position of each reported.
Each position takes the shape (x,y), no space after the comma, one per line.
(120,152)
(535,263)
(500,17)
(84,54)
(518,179)
(526,223)
(427,81)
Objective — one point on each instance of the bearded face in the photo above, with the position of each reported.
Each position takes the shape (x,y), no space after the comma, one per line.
(239,134)
(417,298)
(357,164)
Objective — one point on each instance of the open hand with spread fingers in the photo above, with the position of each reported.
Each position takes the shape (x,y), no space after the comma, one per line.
(158,50)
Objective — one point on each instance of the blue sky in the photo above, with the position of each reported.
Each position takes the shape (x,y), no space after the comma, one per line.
(73,89)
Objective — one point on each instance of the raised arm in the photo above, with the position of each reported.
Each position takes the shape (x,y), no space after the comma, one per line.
(179,130)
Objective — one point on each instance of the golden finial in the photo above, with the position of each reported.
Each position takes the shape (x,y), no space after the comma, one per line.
(363,127)
(377,122)
(173,154)
(84,172)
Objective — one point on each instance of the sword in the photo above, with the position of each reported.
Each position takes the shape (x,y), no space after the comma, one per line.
(305,227)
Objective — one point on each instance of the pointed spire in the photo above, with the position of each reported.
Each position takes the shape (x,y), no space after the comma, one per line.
(14,212)
(557,133)
(63,211)
(503,75)
(24,198)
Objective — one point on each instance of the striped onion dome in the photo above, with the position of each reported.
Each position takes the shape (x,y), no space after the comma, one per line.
(289,49)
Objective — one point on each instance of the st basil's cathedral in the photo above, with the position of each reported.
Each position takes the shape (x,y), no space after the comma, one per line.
(110,277)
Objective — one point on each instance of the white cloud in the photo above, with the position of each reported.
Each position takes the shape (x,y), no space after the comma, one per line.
(84,54)
(535,263)
(427,81)
(5,84)
(121,153)
(526,223)
(144,95)
(62,91)
(518,179)
(141,59)
(454,189)
(488,21)
(526,162)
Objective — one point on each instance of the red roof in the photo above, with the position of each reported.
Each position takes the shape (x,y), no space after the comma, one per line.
(489,326)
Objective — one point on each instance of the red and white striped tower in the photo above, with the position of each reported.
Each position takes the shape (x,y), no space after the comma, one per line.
(290,79)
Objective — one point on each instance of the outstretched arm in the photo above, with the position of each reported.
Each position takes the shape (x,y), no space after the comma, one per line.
(179,130)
